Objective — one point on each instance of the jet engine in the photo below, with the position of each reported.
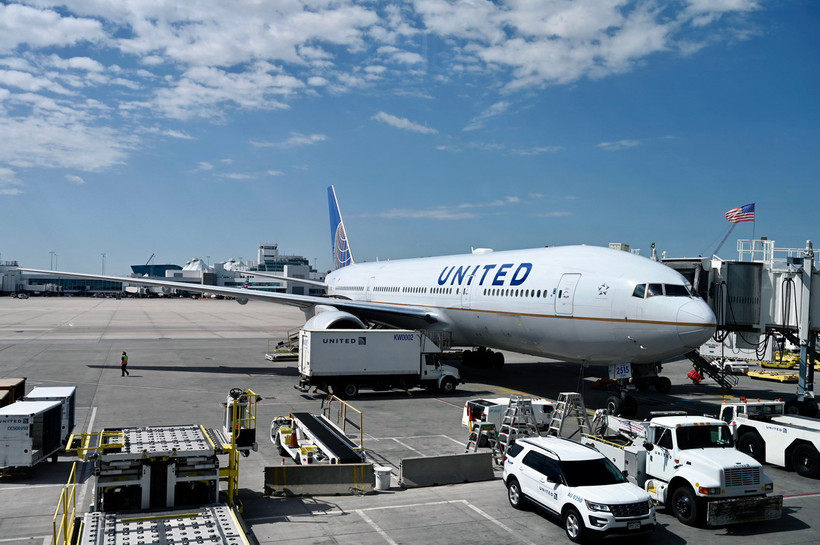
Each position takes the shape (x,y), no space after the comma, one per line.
(334,319)
(242,300)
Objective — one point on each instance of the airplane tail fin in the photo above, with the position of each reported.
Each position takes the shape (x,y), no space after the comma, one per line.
(342,256)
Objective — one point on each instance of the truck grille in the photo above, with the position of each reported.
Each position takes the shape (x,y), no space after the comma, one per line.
(630,509)
(743,476)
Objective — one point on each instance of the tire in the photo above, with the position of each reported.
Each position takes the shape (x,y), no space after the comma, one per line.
(614,405)
(574,525)
(806,461)
(630,407)
(685,506)
(516,498)
(349,390)
(809,408)
(498,360)
(448,385)
(752,444)
(792,407)
(663,385)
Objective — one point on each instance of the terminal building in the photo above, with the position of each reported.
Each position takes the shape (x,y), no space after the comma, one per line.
(230,273)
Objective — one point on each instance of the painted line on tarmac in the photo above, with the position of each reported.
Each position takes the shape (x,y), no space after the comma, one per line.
(498,523)
(806,495)
(375,526)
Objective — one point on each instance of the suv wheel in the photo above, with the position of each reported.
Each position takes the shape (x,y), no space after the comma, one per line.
(574,525)
(514,494)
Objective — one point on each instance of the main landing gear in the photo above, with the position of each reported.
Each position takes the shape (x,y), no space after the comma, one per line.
(644,376)
(483,357)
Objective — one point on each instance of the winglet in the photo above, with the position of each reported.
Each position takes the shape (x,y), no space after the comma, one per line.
(342,256)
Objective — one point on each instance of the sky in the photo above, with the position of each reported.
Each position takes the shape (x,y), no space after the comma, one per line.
(154,130)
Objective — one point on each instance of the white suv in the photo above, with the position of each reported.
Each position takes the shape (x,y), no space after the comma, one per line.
(578,484)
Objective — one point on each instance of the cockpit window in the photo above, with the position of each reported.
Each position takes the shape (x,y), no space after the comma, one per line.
(654,289)
(674,290)
(639,292)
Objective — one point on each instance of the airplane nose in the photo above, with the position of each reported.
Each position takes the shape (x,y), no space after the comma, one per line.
(696,323)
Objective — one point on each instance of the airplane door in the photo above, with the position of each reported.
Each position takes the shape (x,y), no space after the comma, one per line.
(566,294)
(465,294)
(368,293)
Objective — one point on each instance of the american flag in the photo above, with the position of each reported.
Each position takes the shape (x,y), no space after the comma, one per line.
(741,213)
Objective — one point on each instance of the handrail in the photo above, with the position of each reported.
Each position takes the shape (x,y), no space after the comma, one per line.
(66,510)
(342,419)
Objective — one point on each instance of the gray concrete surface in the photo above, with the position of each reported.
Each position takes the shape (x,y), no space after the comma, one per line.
(185,355)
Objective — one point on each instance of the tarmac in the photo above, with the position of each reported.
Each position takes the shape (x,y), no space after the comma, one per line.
(185,356)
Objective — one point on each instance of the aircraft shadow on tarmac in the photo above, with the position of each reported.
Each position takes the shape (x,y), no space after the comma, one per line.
(221,369)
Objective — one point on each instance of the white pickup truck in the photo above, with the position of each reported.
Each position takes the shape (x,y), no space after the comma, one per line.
(688,464)
(763,431)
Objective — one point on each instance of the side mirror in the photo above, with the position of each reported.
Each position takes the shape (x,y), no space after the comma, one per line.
(625,473)
(648,446)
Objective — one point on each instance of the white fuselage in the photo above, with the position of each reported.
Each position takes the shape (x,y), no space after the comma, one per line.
(574,303)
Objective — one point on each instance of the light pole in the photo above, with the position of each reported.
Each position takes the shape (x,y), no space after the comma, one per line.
(51,267)
(103,263)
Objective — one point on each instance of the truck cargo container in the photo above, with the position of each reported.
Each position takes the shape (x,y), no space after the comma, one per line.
(29,433)
(67,396)
(11,390)
(341,361)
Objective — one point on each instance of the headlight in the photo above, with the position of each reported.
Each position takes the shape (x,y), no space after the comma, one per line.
(769,487)
(592,506)
(709,491)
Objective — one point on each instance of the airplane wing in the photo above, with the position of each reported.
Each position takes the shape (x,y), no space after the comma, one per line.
(311,283)
(377,312)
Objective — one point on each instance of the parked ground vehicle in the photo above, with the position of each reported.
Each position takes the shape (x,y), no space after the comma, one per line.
(578,484)
(342,361)
(688,464)
(492,410)
(763,431)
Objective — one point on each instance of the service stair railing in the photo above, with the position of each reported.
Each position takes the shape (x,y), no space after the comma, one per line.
(569,408)
(713,370)
(519,421)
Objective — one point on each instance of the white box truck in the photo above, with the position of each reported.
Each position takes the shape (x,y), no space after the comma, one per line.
(342,361)
(67,396)
(29,433)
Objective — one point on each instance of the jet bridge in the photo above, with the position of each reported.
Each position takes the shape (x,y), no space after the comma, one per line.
(766,293)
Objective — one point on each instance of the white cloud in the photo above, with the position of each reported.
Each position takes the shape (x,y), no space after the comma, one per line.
(296,140)
(74,179)
(44,28)
(402,123)
(454,212)
(9,184)
(619,145)
(496,109)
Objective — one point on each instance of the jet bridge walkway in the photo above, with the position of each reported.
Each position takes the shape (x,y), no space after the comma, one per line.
(322,433)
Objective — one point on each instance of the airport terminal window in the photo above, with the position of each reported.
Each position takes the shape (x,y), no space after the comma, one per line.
(640,291)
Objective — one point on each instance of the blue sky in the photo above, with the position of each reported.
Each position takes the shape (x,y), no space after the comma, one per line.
(201,129)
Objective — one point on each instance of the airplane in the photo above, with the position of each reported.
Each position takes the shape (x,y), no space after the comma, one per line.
(584,304)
